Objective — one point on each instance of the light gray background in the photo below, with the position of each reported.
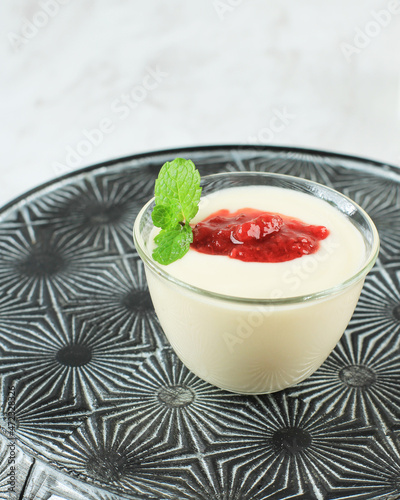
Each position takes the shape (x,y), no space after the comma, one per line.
(317,74)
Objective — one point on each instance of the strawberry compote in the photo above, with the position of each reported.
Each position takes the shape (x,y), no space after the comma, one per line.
(253,235)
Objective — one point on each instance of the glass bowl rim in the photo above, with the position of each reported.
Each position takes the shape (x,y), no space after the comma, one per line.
(370,259)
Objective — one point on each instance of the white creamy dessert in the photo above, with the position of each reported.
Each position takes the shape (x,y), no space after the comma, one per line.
(340,255)
(240,341)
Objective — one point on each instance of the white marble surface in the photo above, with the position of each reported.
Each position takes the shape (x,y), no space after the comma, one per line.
(196,72)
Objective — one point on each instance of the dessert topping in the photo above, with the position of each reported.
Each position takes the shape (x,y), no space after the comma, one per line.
(255,236)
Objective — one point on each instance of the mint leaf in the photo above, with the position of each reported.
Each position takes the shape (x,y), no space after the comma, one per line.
(177,195)
(179,181)
(166,216)
(173,244)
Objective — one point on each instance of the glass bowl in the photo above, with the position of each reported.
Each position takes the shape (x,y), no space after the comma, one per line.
(255,345)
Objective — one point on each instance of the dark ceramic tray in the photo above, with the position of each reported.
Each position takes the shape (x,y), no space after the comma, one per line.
(103,408)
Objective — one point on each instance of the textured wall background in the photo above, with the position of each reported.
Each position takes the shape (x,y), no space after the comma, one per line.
(92,80)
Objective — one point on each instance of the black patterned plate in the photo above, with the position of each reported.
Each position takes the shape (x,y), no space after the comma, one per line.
(95,405)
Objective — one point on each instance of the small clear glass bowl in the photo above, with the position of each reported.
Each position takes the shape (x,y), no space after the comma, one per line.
(255,346)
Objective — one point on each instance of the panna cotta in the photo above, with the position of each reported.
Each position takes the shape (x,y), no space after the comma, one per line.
(259,327)
(339,255)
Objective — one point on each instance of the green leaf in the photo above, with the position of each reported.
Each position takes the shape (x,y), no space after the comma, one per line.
(179,181)
(173,244)
(166,216)
(177,195)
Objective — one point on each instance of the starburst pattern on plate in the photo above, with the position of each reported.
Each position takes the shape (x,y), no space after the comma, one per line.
(99,210)
(43,480)
(38,419)
(380,182)
(315,167)
(216,161)
(359,378)
(16,314)
(383,207)
(292,447)
(164,396)
(38,266)
(380,479)
(378,309)
(123,303)
(127,459)
(71,359)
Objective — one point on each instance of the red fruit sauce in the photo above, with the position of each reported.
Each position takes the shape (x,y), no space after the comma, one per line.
(255,236)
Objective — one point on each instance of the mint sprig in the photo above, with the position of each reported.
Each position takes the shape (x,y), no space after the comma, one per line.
(177,195)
